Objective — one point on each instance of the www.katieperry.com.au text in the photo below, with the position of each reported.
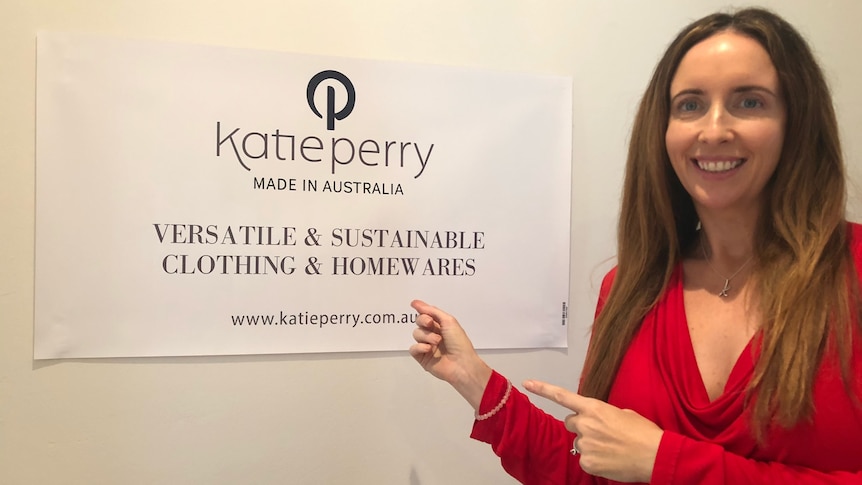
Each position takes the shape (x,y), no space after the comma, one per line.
(321,320)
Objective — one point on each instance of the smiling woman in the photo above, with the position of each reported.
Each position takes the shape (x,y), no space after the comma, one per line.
(726,125)
(727,345)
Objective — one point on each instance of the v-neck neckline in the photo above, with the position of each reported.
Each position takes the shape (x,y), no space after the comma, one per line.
(742,367)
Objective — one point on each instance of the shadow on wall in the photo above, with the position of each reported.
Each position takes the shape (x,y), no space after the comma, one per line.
(414,478)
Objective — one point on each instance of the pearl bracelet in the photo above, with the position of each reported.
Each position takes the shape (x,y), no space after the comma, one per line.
(498,407)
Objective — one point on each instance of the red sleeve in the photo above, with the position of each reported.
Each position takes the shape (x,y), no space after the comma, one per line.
(533,446)
(682,460)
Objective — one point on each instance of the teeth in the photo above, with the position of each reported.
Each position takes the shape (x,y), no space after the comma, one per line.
(722,166)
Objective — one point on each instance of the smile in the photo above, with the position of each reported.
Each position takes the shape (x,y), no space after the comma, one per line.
(718,166)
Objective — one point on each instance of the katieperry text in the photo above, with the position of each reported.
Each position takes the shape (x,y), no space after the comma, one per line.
(286,249)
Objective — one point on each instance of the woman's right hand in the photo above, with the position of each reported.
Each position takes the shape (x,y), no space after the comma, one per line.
(443,349)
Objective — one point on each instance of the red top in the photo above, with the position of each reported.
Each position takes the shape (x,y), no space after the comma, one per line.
(704,442)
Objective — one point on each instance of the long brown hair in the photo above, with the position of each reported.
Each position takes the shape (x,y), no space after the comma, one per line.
(807,289)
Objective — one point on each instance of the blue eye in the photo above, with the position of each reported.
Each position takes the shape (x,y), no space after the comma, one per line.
(751,103)
(688,105)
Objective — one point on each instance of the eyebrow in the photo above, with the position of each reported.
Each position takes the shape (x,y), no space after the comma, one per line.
(740,89)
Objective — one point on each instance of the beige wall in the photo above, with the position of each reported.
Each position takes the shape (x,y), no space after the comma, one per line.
(345,418)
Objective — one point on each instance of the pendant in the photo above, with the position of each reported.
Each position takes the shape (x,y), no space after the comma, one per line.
(723,292)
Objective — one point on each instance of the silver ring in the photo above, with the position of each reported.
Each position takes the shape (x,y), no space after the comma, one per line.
(574,450)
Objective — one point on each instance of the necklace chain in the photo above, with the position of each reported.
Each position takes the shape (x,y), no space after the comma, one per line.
(724,291)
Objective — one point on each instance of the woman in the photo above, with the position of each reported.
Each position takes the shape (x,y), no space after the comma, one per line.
(727,346)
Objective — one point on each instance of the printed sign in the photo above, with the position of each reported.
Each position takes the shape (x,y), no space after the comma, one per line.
(198,200)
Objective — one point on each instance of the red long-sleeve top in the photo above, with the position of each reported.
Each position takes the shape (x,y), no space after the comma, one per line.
(704,442)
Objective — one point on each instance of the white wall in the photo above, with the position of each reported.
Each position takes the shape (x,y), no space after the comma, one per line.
(344,418)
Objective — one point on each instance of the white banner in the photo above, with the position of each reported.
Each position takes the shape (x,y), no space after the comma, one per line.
(195,200)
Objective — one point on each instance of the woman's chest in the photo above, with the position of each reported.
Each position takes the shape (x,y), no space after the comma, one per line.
(659,378)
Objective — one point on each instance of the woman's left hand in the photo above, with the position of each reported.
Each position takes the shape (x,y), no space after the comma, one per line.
(617,444)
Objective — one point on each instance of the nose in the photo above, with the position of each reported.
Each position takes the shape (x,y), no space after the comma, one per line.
(716,126)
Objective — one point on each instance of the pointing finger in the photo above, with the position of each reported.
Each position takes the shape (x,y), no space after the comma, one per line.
(420,306)
(559,395)
(437,314)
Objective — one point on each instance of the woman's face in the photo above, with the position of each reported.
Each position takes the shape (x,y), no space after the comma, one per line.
(726,125)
